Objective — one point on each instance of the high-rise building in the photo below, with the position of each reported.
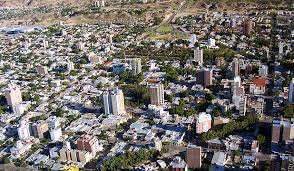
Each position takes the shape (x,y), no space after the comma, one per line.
(23,130)
(88,143)
(193,156)
(42,70)
(13,95)
(94,59)
(236,84)
(281,47)
(198,56)
(54,128)
(113,102)
(242,106)
(247,27)
(156,92)
(193,39)
(282,130)
(211,42)
(70,66)
(263,71)
(39,129)
(291,92)
(235,67)
(292,23)
(288,129)
(204,77)
(136,66)
(45,43)
(203,122)
(233,22)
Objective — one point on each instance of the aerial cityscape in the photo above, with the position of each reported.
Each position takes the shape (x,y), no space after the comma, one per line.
(146,85)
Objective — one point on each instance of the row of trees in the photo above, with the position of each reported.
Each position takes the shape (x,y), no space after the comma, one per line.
(229,128)
(127,159)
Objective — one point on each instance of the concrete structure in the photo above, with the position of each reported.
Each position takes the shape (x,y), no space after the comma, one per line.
(263,71)
(291,92)
(235,68)
(178,164)
(282,130)
(211,42)
(113,102)
(88,143)
(94,59)
(42,70)
(13,95)
(203,122)
(156,92)
(281,48)
(23,130)
(136,66)
(204,77)
(39,129)
(198,56)
(248,27)
(193,157)
(69,66)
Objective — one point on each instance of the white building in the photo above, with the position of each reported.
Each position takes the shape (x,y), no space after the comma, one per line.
(23,130)
(113,102)
(263,71)
(211,42)
(19,149)
(198,56)
(70,66)
(55,134)
(281,47)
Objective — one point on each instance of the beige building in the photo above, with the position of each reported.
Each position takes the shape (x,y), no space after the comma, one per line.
(75,155)
(13,95)
(42,70)
(39,129)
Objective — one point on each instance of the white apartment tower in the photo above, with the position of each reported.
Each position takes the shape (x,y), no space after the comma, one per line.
(198,56)
(113,102)
(23,130)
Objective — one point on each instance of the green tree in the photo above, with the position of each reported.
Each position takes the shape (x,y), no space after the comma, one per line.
(261,139)
(289,111)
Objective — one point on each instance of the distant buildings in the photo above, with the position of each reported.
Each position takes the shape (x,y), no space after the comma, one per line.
(178,164)
(20,149)
(203,122)
(39,129)
(281,48)
(193,157)
(235,68)
(248,27)
(211,42)
(13,95)
(136,66)
(94,59)
(263,71)
(42,70)
(291,92)
(282,130)
(88,143)
(113,102)
(204,77)
(69,66)
(156,92)
(23,130)
(87,147)
(54,128)
(198,56)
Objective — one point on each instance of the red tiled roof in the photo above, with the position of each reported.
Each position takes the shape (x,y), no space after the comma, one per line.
(259,82)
